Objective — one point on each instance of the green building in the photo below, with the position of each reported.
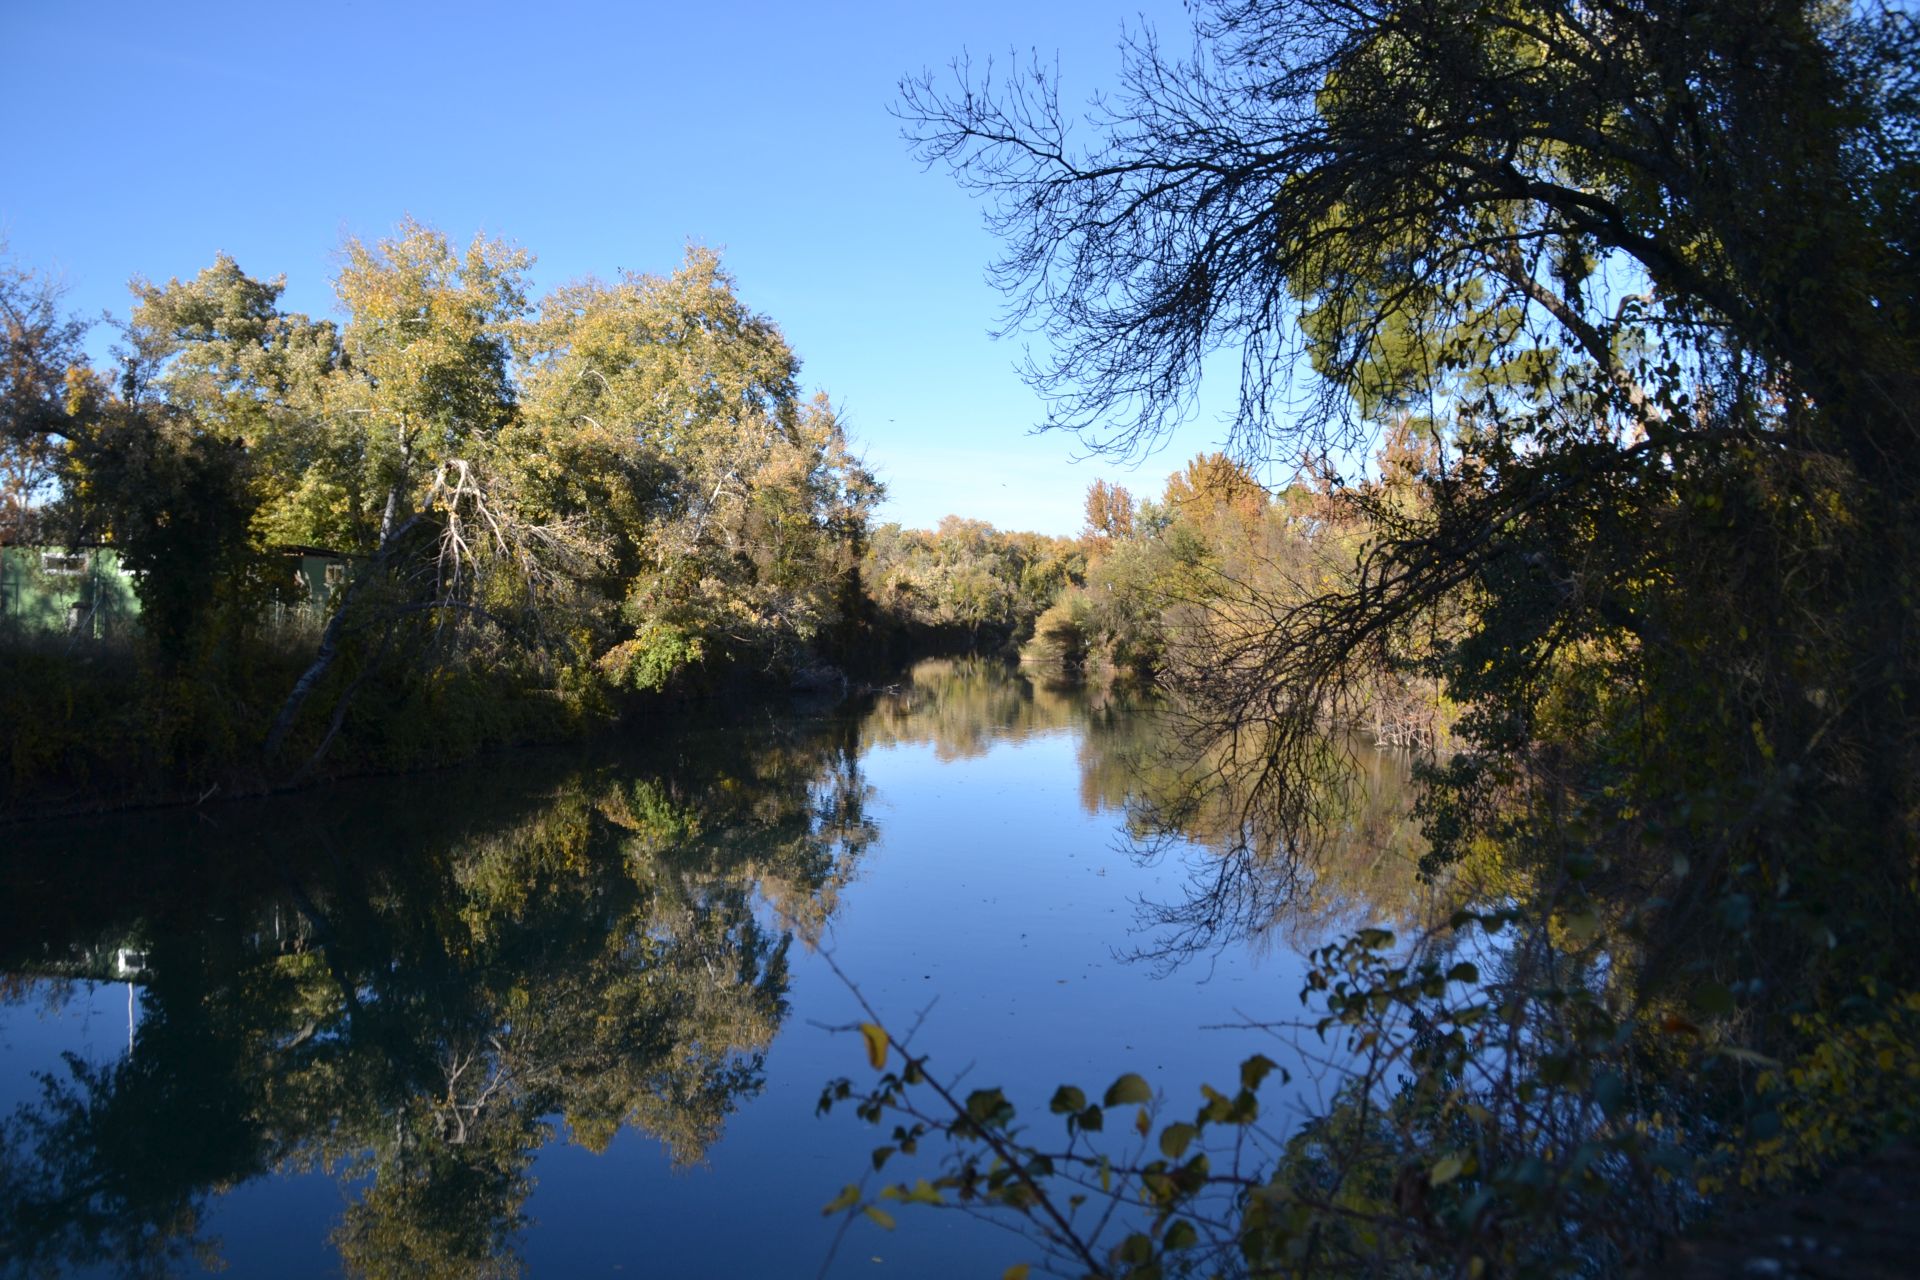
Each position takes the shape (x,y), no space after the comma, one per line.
(66,591)
(318,575)
(84,591)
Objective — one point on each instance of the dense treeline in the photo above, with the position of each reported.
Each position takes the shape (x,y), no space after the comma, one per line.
(966,584)
(1610,315)
(1168,578)
(618,489)
(544,512)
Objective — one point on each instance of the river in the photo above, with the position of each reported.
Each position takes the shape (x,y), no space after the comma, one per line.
(569,1013)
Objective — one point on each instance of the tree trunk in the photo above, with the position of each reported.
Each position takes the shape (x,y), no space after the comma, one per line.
(329,650)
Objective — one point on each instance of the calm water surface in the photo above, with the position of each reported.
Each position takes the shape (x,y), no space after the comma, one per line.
(566,1014)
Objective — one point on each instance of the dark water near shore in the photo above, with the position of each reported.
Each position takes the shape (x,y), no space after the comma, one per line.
(563,1014)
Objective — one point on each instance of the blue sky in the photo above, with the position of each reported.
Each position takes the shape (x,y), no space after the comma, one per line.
(148,137)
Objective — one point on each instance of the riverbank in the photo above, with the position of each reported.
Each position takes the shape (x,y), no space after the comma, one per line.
(96,731)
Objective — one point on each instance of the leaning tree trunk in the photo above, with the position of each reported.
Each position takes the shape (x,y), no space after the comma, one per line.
(323,658)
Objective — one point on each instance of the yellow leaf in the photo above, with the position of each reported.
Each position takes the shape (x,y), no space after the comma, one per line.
(1582,927)
(1018,1271)
(876,1038)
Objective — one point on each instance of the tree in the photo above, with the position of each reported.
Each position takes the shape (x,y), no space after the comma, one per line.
(621,489)
(175,501)
(1213,485)
(1631,289)
(427,354)
(1624,208)
(38,347)
(667,415)
(220,350)
(406,469)
(1109,512)
(1369,161)
(967,582)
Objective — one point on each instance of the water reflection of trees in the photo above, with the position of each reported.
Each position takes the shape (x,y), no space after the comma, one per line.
(962,707)
(413,987)
(1242,881)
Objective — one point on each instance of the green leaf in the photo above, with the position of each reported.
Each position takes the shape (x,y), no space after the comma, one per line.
(986,1105)
(1256,1069)
(1128,1088)
(879,1215)
(848,1197)
(1175,1139)
(1447,1170)
(1067,1099)
(1181,1235)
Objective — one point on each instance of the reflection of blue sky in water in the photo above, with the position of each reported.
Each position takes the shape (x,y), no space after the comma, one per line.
(996,896)
(47,1018)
